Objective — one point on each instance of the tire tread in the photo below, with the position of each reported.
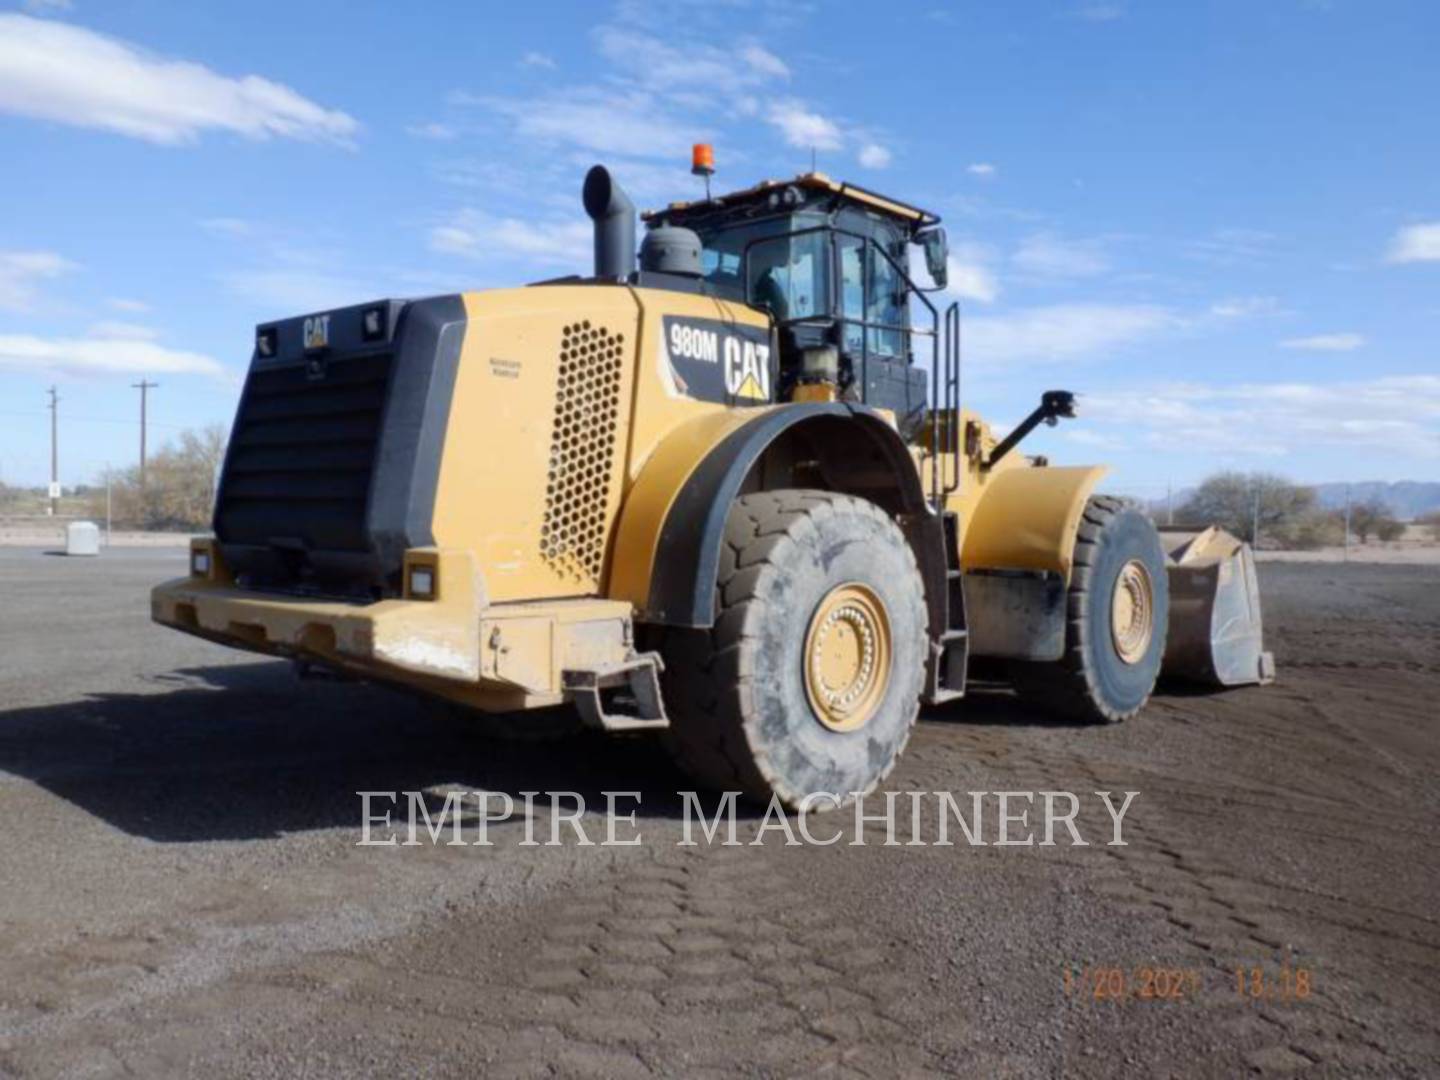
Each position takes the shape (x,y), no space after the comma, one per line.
(709,666)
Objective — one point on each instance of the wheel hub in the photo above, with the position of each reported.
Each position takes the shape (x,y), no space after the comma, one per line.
(847,657)
(1132,612)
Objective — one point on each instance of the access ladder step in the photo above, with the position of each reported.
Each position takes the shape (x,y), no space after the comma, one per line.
(624,696)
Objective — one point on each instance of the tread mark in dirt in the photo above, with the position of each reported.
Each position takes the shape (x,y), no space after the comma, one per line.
(711,933)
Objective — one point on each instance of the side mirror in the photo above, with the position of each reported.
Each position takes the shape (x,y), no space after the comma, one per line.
(937,255)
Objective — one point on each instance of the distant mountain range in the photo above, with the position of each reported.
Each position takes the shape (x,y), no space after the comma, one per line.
(1406,499)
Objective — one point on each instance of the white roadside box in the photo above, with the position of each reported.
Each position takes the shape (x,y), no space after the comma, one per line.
(82,538)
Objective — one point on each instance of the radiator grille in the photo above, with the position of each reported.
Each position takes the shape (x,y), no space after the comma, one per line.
(582,451)
(302,454)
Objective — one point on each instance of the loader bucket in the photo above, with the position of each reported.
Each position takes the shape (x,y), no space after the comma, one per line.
(1214,635)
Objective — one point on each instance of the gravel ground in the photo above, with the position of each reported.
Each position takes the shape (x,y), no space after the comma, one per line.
(181,889)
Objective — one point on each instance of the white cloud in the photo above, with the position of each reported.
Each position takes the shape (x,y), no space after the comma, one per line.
(1416,243)
(22,271)
(1083,436)
(804,128)
(1062,331)
(538,60)
(1101,12)
(56,71)
(477,235)
(1399,414)
(1325,342)
(130,307)
(970,277)
(1228,246)
(102,355)
(433,130)
(981,168)
(1048,255)
(971,281)
(1244,307)
(763,62)
(874,156)
(666,64)
(650,182)
(601,121)
(108,328)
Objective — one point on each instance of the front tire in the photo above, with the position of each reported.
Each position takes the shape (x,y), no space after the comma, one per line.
(1117,610)
(810,679)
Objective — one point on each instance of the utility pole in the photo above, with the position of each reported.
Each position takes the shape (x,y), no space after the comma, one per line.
(107,504)
(1255,518)
(1169,503)
(144,388)
(1347,522)
(54,453)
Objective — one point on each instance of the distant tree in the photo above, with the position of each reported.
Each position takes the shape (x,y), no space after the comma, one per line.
(1390,530)
(179,491)
(1234,500)
(1369,517)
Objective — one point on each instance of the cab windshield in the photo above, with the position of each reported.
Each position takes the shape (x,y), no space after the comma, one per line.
(789,275)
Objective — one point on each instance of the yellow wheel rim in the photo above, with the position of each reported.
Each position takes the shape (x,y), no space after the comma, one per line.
(1132,612)
(847,657)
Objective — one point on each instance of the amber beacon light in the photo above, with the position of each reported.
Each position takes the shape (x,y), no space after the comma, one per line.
(702,159)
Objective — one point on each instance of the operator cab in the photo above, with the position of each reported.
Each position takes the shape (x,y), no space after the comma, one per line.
(830,263)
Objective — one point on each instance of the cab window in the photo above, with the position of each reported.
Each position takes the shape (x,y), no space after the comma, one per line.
(884,310)
(852,292)
(870,292)
(788,274)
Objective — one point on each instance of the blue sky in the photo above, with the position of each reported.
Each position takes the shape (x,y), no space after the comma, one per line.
(1219,222)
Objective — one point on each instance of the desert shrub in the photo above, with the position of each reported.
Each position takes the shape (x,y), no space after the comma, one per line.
(1390,529)
(1311,530)
(179,490)
(1370,517)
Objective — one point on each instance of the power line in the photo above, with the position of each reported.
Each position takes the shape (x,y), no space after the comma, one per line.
(72,418)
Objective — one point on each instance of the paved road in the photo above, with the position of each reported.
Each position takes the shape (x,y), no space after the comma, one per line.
(181,888)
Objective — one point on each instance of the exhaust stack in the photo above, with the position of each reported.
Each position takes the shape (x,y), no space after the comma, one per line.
(614,216)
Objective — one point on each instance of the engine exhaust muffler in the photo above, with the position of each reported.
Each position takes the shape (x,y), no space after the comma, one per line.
(614,216)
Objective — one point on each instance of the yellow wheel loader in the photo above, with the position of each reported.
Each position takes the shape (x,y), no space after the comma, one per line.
(727,490)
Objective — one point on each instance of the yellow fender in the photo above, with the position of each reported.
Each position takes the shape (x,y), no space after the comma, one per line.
(1026,519)
(667,548)
(642,516)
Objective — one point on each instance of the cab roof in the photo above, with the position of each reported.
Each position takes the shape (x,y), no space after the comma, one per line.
(812,181)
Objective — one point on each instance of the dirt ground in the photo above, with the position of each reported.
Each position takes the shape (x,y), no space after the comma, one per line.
(181,889)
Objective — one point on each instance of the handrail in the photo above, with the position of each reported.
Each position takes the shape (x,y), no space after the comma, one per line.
(951,407)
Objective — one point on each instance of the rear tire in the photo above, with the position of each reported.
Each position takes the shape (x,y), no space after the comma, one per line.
(810,679)
(1117,610)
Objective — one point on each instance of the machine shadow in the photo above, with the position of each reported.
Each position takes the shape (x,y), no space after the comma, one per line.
(245,752)
(994,704)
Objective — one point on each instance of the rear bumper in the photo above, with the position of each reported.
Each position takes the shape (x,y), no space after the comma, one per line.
(409,637)
(458,645)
